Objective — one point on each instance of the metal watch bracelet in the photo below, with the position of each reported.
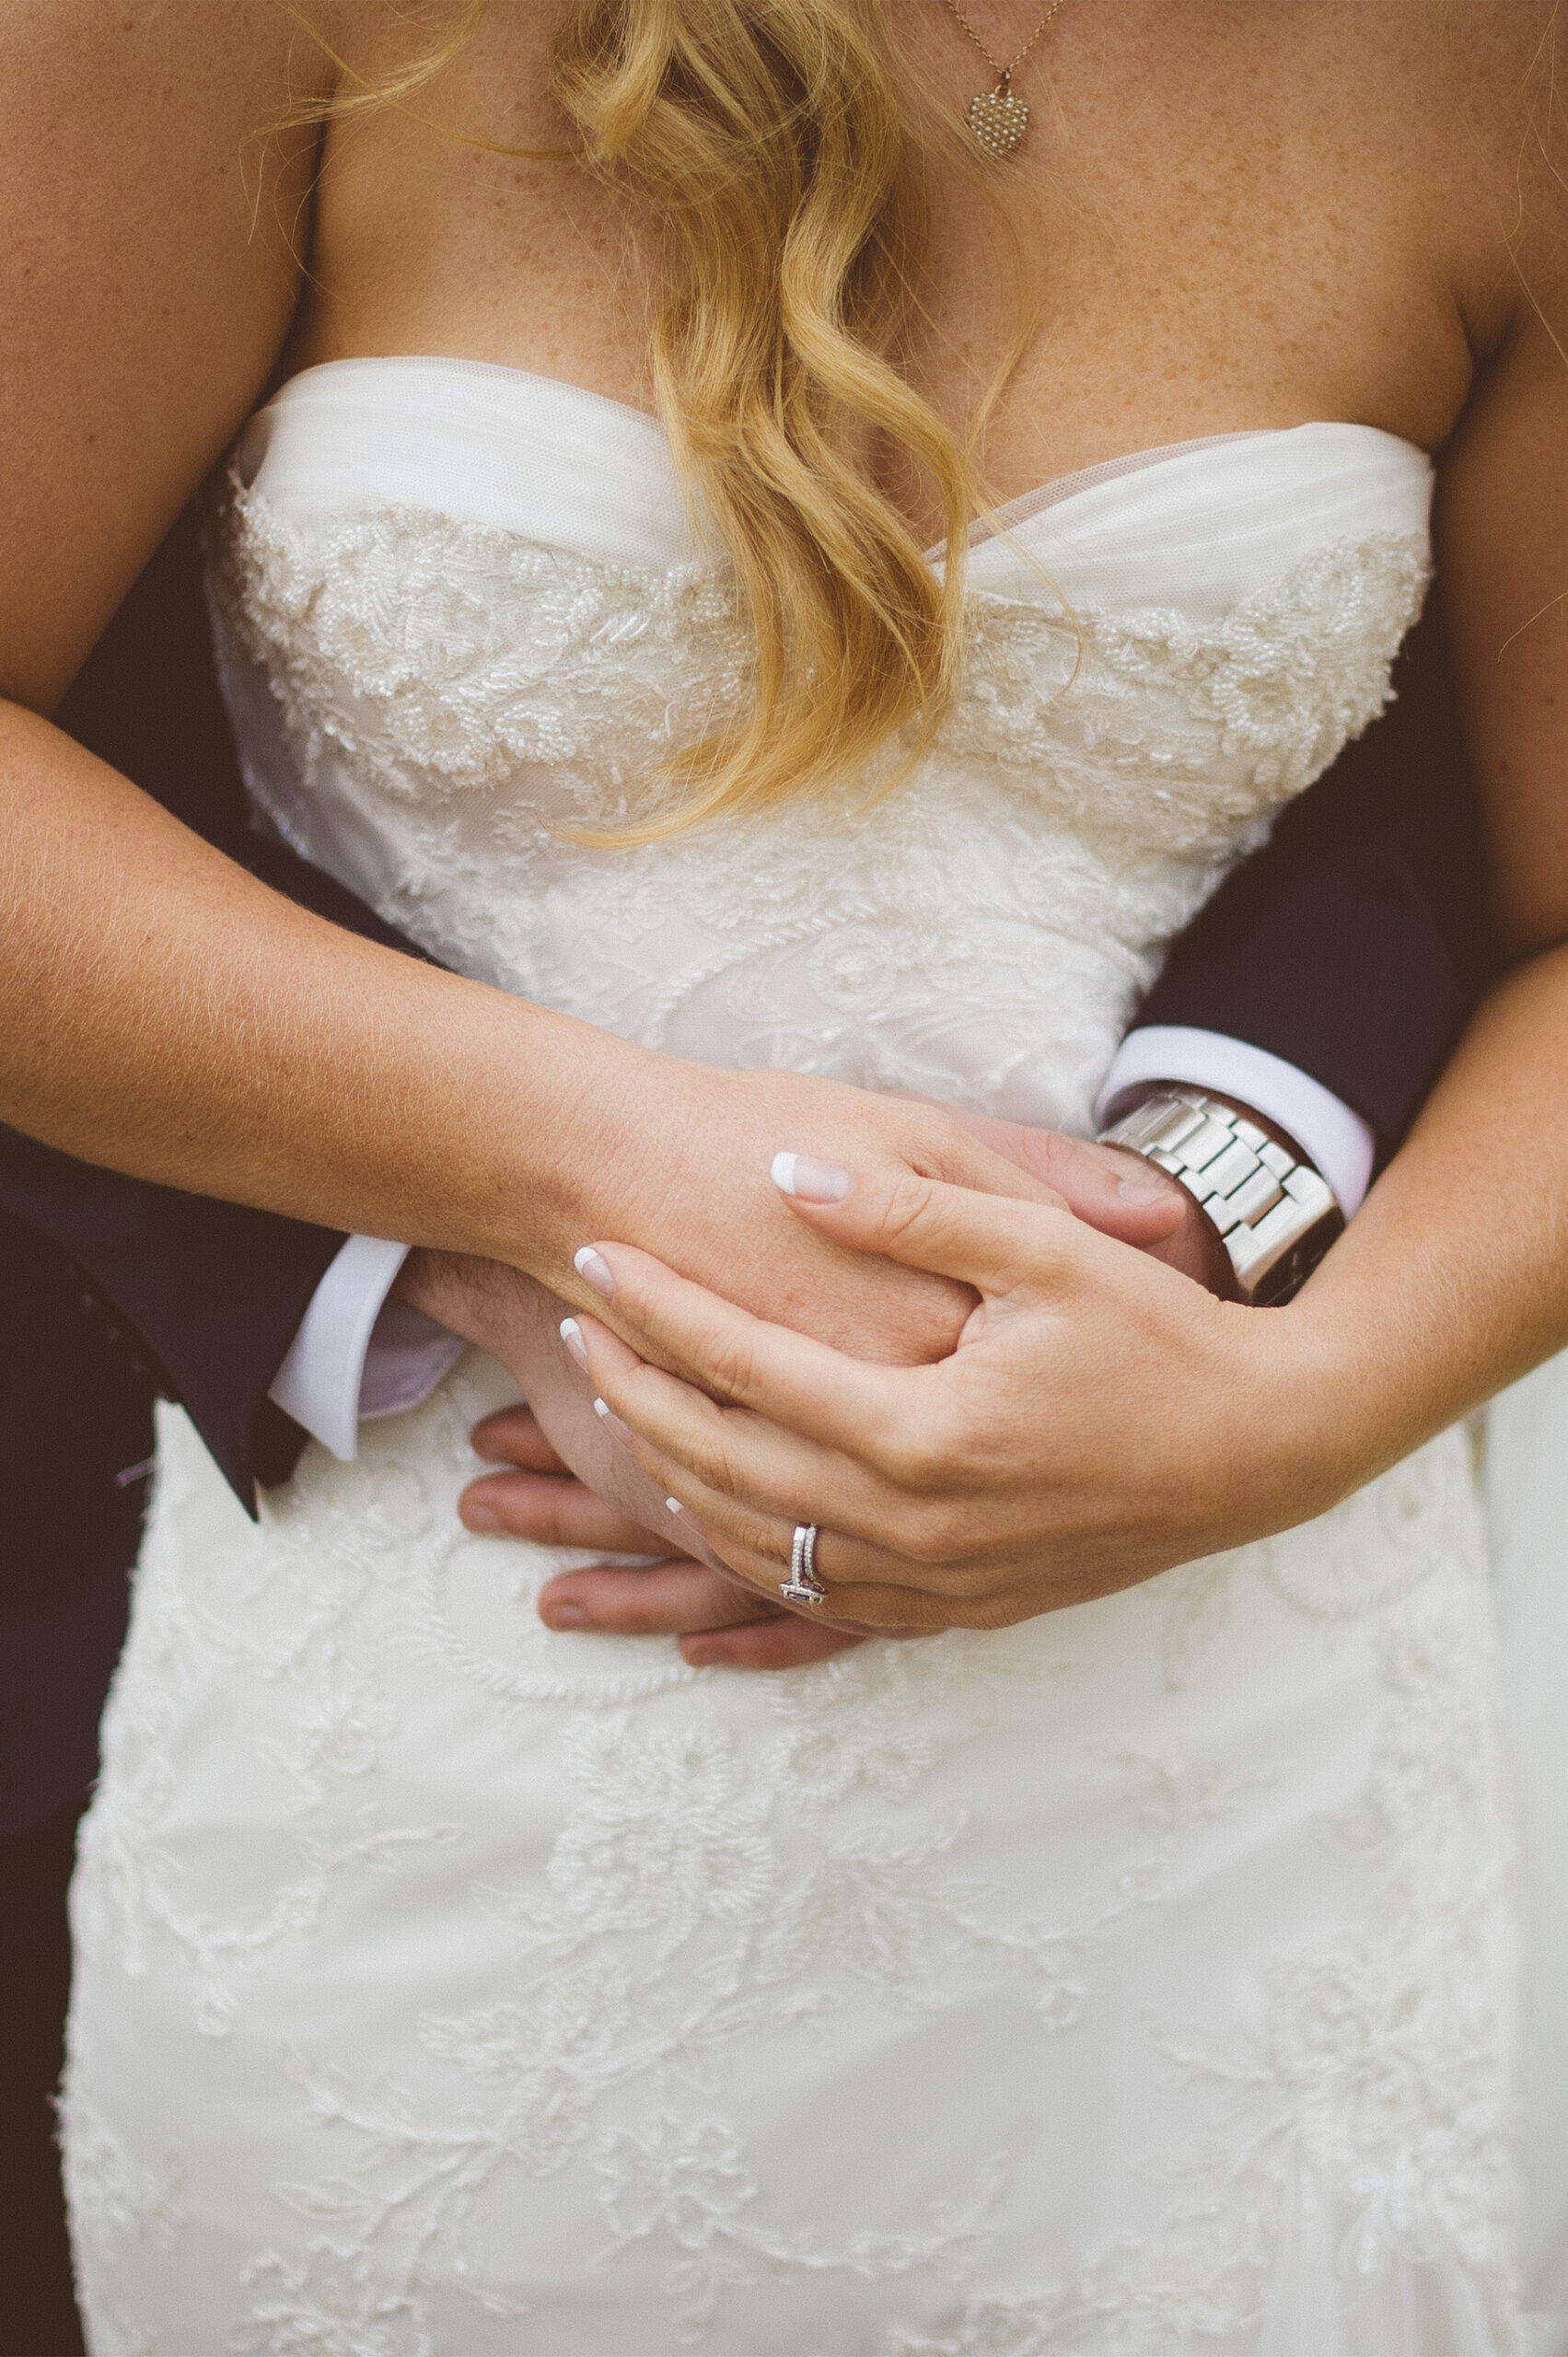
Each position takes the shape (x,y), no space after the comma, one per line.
(1275,1214)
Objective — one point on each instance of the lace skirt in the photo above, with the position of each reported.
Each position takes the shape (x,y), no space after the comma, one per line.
(1137,1980)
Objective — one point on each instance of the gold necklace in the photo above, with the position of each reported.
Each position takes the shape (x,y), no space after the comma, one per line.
(997,119)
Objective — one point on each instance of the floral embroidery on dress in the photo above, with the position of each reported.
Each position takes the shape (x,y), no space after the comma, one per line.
(698,1893)
(687,2181)
(667,1840)
(116,2197)
(324,2308)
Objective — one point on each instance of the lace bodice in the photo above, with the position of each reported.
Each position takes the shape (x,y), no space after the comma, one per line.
(461,608)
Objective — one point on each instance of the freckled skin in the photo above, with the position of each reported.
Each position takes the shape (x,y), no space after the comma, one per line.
(1235,216)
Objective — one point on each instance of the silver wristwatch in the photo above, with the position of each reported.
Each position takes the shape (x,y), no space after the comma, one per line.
(1275,1214)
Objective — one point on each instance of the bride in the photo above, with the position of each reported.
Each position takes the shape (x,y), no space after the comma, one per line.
(608,387)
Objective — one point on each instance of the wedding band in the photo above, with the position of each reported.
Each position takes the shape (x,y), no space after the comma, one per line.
(803,1586)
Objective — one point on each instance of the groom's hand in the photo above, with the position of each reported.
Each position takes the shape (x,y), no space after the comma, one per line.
(715,1617)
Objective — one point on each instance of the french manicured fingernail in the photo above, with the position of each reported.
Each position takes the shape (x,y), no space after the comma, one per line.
(810,1181)
(594,1268)
(572,1335)
(1143,1187)
(603,1409)
(565,1616)
(480,1517)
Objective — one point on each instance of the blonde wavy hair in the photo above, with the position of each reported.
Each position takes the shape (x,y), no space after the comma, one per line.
(783,148)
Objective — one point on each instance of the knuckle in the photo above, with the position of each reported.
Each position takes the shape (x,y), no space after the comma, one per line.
(743,1532)
(908,1205)
(969,1446)
(628,1611)
(760,1538)
(996,1611)
(729,1359)
(935,1534)
(552,1523)
(709,1456)
(937,1145)
(900,1609)
(908,1452)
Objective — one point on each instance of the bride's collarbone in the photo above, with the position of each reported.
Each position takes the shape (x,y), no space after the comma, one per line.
(1215,248)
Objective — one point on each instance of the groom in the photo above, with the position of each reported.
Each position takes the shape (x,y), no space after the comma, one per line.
(1322,988)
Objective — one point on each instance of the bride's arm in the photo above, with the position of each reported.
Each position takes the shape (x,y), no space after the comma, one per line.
(1104,1421)
(1464,1236)
(1105,1418)
(164,1013)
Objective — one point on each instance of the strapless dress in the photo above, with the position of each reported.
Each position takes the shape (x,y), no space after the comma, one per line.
(1137,1980)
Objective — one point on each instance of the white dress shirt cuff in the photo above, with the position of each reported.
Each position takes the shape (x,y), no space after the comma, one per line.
(357,1353)
(1336,1141)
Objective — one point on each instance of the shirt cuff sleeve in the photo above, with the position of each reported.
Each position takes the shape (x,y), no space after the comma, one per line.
(1336,1141)
(357,1353)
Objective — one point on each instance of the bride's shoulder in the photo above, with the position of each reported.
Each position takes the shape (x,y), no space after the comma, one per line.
(1474,95)
(1511,57)
(152,188)
(1494,63)
(79,54)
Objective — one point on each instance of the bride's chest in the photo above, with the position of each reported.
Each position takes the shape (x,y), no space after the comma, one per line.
(464,628)
(1228,216)
(475,677)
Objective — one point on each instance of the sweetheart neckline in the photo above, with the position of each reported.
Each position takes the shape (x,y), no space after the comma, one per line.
(990,525)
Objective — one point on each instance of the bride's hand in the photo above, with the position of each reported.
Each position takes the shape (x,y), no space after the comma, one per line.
(558,1437)
(1101,1419)
(698,1195)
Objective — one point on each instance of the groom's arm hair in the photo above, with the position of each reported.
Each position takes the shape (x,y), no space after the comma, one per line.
(1355,943)
(201,1298)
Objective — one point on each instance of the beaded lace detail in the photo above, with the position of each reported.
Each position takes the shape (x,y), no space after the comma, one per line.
(478,693)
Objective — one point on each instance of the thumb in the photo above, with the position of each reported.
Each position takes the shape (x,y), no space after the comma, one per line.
(1105,1186)
(999,1244)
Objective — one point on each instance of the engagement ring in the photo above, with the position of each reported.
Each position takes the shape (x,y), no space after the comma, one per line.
(803,1586)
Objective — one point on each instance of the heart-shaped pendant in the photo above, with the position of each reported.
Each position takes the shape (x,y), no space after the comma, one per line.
(998,121)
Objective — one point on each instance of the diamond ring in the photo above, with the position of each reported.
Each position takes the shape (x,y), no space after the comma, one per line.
(803,1586)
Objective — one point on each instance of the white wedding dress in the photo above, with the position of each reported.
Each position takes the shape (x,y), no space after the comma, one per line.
(1135,1981)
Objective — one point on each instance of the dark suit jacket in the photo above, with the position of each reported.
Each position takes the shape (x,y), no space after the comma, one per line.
(1351,946)
(1355,945)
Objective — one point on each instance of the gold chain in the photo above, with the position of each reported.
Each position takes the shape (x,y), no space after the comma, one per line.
(1003,73)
